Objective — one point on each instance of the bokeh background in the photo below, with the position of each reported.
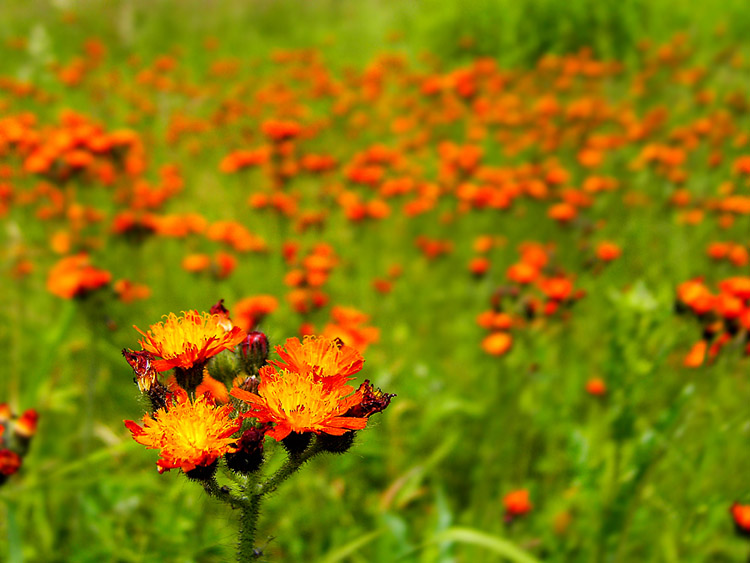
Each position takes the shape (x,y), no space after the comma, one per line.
(644,469)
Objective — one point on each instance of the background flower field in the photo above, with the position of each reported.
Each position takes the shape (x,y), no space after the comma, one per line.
(530,217)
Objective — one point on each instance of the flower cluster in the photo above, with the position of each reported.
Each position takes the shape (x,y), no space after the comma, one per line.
(224,396)
(16,433)
(724,316)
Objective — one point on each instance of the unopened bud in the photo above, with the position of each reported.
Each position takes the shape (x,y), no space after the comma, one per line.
(336,444)
(10,463)
(296,442)
(254,352)
(202,472)
(249,455)
(224,367)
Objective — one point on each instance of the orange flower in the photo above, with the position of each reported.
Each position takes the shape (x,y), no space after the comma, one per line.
(10,463)
(516,504)
(250,311)
(479,266)
(74,276)
(497,343)
(562,212)
(521,272)
(696,356)
(607,251)
(128,291)
(300,402)
(596,386)
(741,516)
(189,433)
(25,426)
(196,262)
(329,360)
(190,340)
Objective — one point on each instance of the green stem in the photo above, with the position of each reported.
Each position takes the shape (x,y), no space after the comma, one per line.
(224,494)
(15,550)
(285,471)
(248,527)
(250,498)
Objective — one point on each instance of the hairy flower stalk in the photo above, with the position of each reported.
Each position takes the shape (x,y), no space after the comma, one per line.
(215,414)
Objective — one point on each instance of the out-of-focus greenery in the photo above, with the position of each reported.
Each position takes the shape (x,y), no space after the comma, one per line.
(647,473)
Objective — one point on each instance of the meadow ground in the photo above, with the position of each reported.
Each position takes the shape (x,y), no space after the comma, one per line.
(531,218)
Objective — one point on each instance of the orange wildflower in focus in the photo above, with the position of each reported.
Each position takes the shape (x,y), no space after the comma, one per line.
(300,402)
(188,340)
(497,343)
(329,360)
(73,276)
(516,503)
(212,387)
(189,433)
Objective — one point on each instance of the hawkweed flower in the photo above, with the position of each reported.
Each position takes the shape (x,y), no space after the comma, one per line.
(185,343)
(249,455)
(371,401)
(303,394)
(328,360)
(516,504)
(741,517)
(300,402)
(16,433)
(10,463)
(190,434)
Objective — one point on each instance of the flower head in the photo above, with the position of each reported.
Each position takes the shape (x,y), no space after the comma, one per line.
(189,433)
(189,340)
(516,504)
(329,360)
(10,463)
(301,402)
(741,516)
(74,276)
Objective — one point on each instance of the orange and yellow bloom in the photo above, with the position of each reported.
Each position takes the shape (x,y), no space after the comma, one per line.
(189,433)
(300,402)
(189,340)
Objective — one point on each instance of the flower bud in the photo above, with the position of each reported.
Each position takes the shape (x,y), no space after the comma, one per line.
(297,442)
(224,367)
(10,463)
(373,401)
(336,444)
(202,472)
(249,455)
(254,352)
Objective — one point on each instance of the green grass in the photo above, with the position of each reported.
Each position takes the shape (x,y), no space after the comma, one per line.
(647,473)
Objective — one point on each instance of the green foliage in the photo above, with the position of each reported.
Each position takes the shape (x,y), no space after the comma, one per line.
(646,473)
